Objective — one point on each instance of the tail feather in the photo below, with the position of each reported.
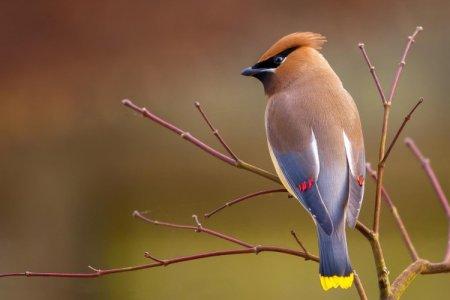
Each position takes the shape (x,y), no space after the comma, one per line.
(335,269)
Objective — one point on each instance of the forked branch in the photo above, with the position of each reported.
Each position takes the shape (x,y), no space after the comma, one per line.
(200,144)
(383,274)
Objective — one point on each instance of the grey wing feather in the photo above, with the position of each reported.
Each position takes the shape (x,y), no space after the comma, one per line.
(356,164)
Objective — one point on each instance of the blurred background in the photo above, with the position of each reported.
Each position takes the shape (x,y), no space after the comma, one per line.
(75,163)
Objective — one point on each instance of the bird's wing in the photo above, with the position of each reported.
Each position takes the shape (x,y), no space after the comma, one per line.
(302,167)
(356,163)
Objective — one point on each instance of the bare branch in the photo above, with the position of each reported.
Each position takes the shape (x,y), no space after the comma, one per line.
(197,228)
(401,226)
(436,186)
(383,278)
(215,131)
(408,275)
(399,131)
(242,198)
(401,65)
(372,71)
(184,134)
(200,144)
(294,235)
(431,175)
(359,287)
(148,255)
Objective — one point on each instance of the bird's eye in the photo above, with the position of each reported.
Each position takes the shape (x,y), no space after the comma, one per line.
(278,59)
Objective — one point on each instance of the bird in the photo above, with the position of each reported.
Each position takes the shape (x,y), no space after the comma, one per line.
(316,144)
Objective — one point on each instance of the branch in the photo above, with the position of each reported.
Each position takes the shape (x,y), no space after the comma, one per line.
(401,226)
(184,134)
(200,144)
(401,65)
(436,186)
(103,272)
(248,249)
(399,131)
(294,235)
(359,287)
(372,71)
(406,277)
(420,266)
(242,198)
(387,106)
(383,278)
(215,131)
(197,228)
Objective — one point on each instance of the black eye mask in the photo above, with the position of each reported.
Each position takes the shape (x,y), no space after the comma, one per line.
(274,61)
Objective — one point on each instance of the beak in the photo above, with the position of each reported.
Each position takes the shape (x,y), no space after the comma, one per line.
(250,71)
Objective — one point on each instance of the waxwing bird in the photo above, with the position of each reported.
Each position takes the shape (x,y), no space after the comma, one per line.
(315,143)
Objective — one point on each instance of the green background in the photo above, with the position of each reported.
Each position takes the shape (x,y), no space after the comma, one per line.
(75,163)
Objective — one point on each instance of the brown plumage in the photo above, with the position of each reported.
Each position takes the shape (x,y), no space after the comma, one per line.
(315,141)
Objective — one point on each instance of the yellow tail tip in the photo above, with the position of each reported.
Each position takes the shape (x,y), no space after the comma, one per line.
(343,282)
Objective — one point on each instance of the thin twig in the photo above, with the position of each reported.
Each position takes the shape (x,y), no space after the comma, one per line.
(425,162)
(401,65)
(372,71)
(215,131)
(242,198)
(299,242)
(398,219)
(359,287)
(399,131)
(197,228)
(148,255)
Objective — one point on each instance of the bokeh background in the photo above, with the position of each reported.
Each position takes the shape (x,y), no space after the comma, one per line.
(75,163)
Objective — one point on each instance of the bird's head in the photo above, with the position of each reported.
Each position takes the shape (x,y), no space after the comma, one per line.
(286,60)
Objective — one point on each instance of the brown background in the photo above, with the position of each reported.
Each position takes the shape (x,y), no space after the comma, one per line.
(75,163)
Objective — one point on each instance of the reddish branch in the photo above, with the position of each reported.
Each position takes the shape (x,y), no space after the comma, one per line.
(401,65)
(436,186)
(242,198)
(184,134)
(373,72)
(215,131)
(399,131)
